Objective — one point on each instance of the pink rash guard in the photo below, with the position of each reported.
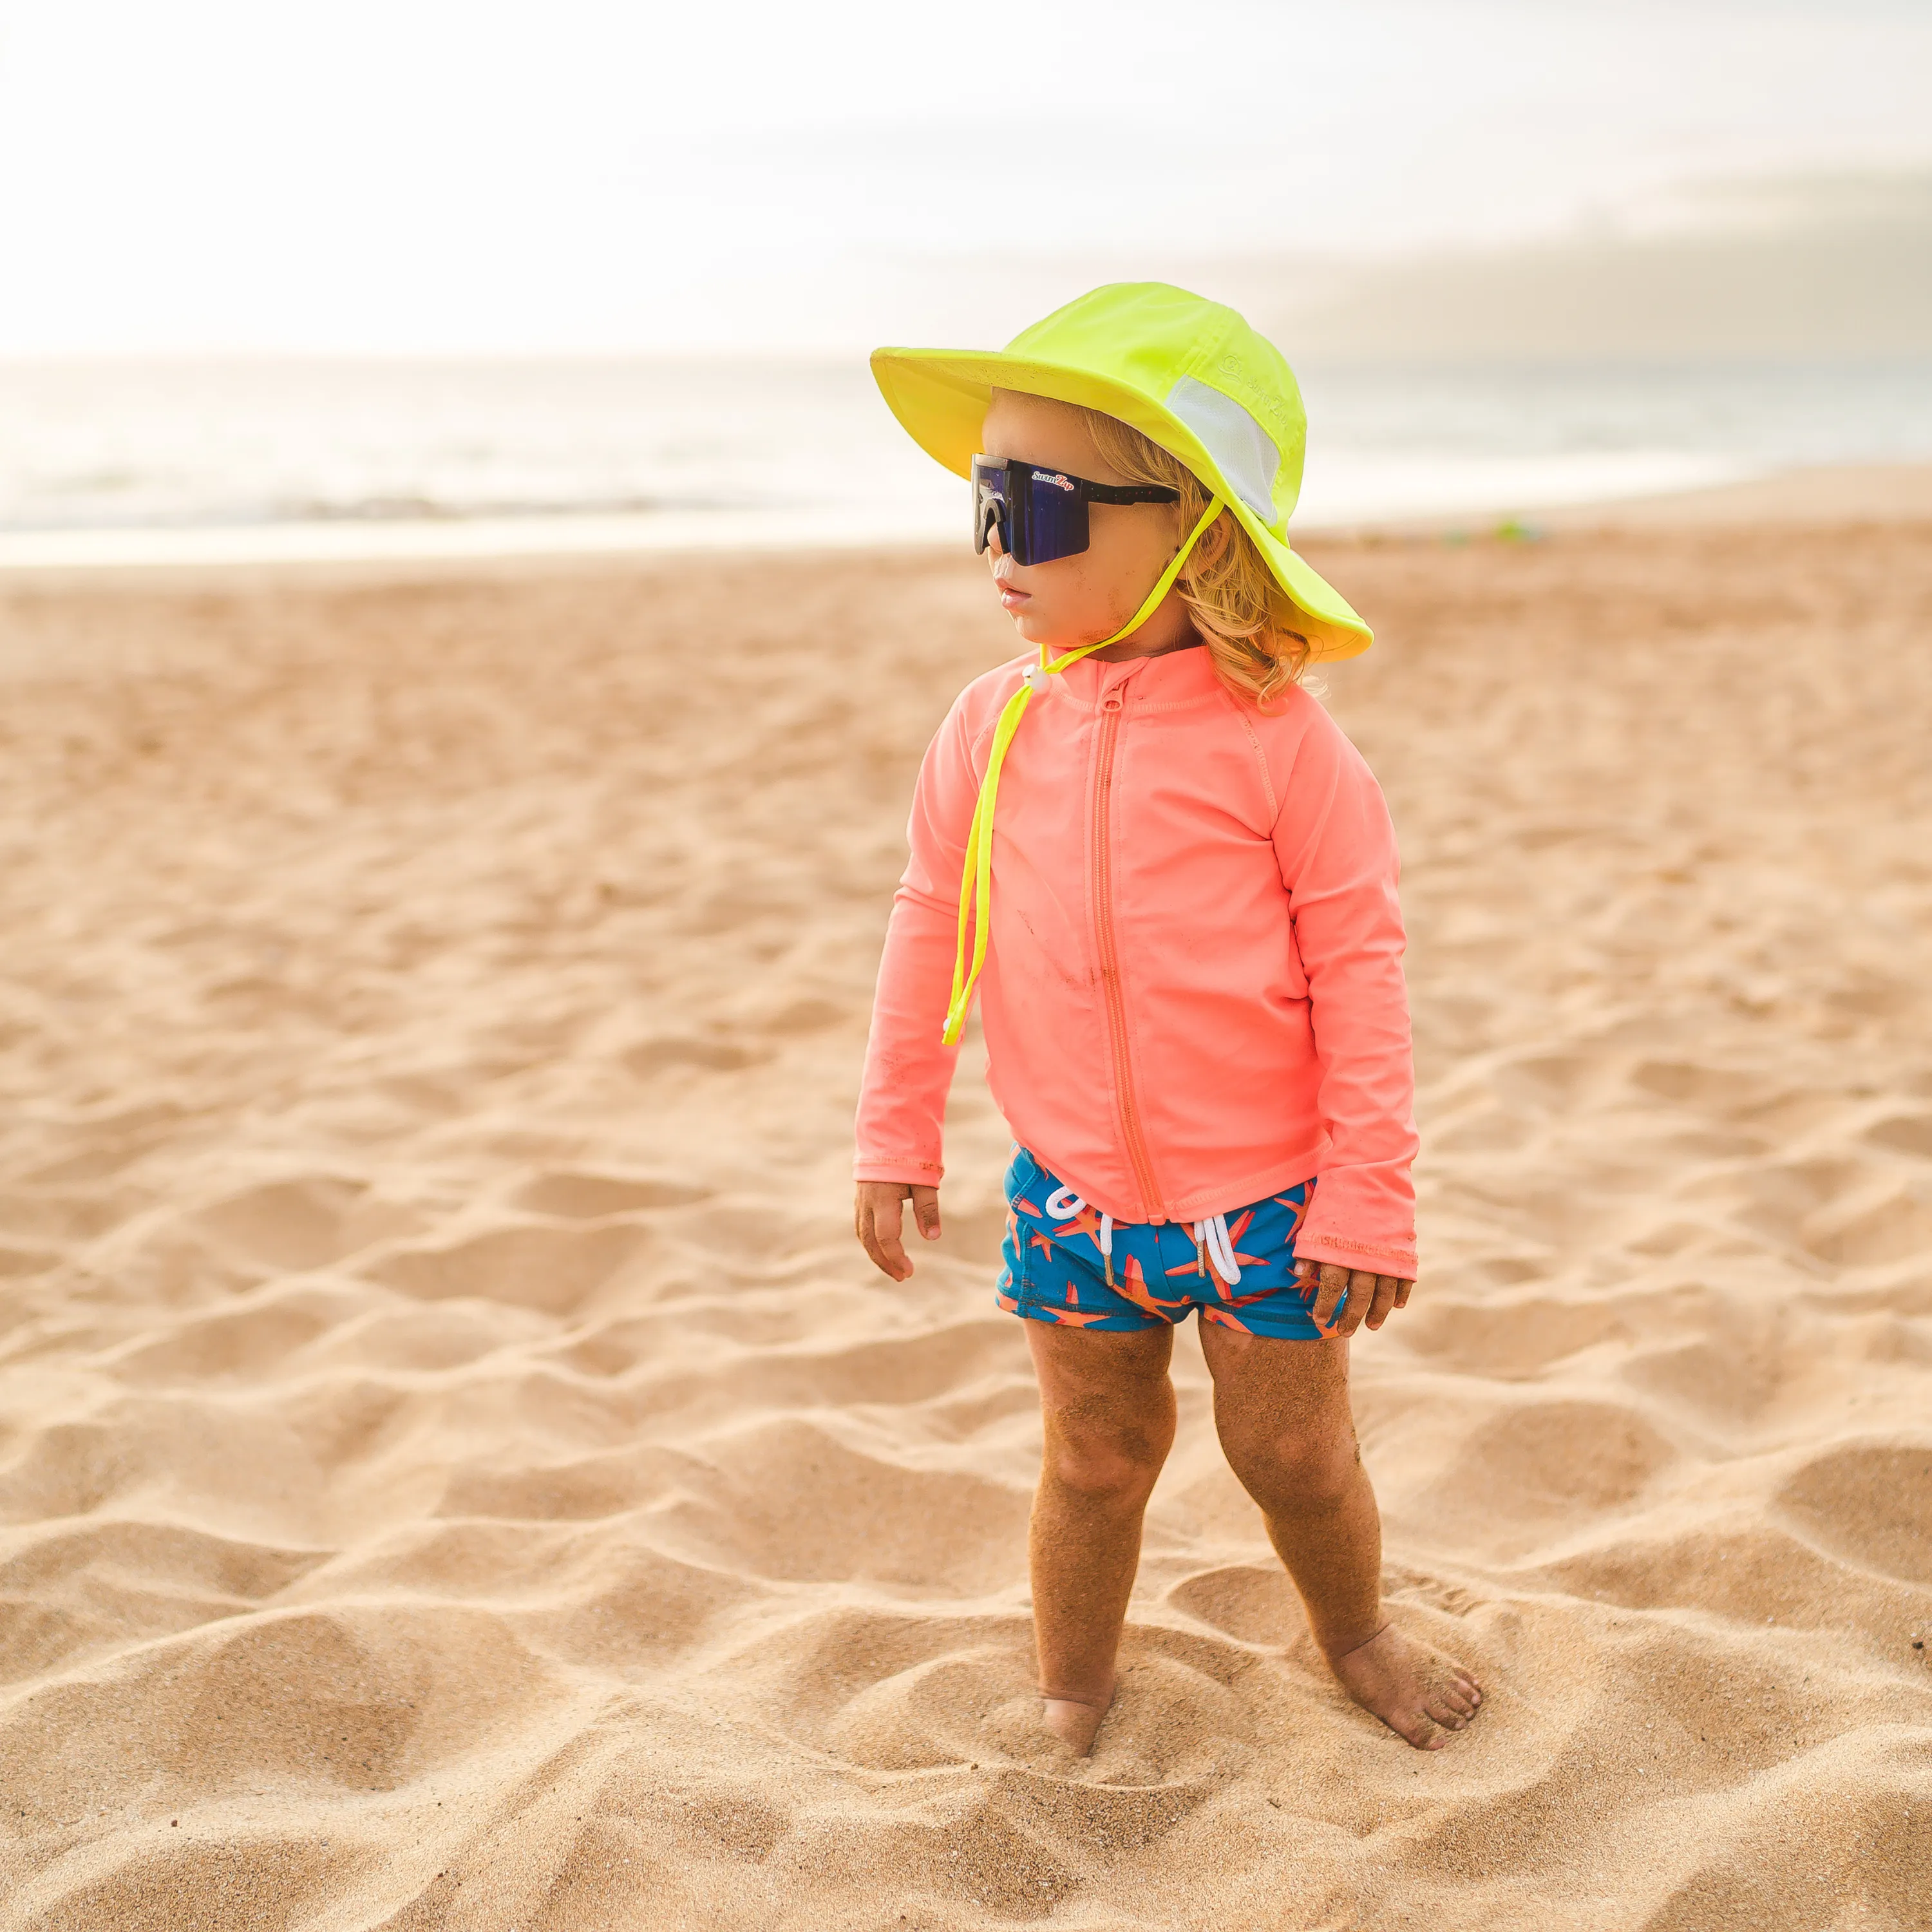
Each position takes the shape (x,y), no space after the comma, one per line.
(1193,996)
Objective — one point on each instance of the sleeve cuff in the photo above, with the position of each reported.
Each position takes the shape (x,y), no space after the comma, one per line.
(1400,1262)
(912,1173)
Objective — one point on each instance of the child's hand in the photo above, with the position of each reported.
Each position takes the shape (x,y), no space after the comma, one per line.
(1372,1297)
(876,1221)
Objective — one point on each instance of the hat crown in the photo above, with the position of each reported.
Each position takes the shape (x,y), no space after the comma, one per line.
(1197,360)
(1189,374)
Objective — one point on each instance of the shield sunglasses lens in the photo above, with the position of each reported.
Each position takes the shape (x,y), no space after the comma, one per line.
(1053,524)
(989,503)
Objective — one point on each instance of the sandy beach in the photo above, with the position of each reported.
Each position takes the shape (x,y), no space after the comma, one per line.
(457,1470)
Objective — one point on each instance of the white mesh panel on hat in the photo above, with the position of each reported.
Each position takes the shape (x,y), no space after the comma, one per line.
(1247,455)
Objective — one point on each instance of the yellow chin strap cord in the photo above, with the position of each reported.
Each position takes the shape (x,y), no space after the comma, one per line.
(976,880)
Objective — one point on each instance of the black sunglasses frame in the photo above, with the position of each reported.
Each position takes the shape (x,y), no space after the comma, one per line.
(1041,513)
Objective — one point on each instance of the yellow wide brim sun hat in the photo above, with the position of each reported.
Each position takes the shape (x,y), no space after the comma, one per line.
(1187,373)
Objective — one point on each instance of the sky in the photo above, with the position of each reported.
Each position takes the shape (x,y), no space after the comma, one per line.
(533,176)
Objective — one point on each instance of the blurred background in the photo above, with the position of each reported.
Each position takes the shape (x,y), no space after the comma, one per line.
(282,279)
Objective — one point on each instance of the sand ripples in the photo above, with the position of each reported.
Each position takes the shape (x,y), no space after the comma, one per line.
(456,1473)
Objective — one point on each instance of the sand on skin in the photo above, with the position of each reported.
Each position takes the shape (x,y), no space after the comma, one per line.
(455,1470)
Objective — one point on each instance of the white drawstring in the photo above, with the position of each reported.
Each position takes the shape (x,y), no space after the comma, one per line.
(1230,1273)
(1213,1236)
(1211,1240)
(1063,1204)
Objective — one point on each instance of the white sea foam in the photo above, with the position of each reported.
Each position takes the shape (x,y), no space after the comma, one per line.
(208,463)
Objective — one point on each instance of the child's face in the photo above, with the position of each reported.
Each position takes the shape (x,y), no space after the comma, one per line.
(1074,600)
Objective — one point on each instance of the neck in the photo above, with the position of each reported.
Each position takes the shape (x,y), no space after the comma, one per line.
(1141,645)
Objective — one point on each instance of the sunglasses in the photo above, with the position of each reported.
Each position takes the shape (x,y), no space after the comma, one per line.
(1041,514)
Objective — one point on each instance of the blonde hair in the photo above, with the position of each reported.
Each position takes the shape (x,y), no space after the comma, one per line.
(1250,625)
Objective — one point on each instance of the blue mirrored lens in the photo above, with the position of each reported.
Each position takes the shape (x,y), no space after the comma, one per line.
(1054,523)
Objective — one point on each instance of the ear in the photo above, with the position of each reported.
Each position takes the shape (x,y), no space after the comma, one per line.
(1216,538)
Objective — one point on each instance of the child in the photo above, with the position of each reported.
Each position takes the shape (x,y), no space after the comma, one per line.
(1178,880)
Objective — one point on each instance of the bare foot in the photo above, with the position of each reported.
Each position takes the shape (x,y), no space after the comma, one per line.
(1415,1689)
(1072,1723)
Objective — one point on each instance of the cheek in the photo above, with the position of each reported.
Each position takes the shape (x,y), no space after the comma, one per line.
(1124,560)
(1079,590)
(1070,603)
(1077,599)
(1128,552)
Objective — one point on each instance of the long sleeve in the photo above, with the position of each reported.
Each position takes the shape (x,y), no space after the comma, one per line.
(1337,853)
(908,1068)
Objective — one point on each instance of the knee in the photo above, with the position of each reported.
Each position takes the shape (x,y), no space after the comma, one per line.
(1305,1471)
(1106,1466)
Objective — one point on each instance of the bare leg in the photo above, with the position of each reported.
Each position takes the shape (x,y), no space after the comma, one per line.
(1108,1407)
(1282,1408)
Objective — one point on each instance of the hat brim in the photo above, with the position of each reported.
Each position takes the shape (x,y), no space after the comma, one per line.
(941,397)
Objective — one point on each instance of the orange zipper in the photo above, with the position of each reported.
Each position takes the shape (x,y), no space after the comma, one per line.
(1110,965)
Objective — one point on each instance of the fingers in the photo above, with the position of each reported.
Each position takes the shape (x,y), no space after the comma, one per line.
(1361,1293)
(926,1211)
(1328,1283)
(1382,1301)
(877,1222)
(1334,1284)
(1372,1298)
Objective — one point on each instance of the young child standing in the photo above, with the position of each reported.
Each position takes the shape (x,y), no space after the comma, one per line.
(1171,881)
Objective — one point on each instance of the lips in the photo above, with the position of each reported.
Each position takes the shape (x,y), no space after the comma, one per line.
(1013,598)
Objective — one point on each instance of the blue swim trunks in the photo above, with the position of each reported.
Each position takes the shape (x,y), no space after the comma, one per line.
(1065,1262)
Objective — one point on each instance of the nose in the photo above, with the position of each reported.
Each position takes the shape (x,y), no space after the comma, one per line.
(996,540)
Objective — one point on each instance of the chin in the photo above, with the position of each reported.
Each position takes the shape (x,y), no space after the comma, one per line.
(1037,629)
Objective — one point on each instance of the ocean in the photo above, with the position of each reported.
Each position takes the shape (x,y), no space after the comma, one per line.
(127,462)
